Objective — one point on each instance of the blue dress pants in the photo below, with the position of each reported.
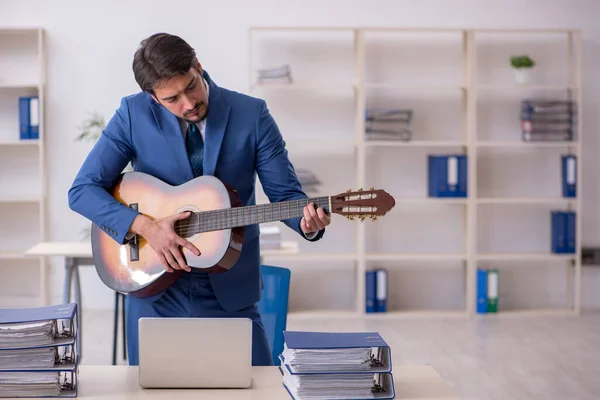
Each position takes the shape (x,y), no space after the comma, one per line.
(191,296)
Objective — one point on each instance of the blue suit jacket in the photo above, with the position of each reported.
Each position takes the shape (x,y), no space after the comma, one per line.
(242,141)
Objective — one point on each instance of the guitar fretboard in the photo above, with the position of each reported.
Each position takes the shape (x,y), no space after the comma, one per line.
(242,216)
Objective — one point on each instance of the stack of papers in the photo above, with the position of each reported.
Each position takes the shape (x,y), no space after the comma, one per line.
(322,365)
(26,334)
(22,384)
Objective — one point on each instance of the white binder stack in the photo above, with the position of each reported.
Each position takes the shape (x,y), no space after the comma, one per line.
(38,351)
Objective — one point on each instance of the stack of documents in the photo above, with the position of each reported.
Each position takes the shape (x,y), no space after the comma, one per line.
(325,365)
(38,356)
(270,236)
(308,180)
(548,120)
(281,74)
(388,124)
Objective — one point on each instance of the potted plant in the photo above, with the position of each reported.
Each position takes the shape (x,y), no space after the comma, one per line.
(523,66)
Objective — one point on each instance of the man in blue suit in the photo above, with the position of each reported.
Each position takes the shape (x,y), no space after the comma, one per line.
(181,125)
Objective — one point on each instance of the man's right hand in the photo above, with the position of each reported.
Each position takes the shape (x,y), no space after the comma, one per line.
(161,236)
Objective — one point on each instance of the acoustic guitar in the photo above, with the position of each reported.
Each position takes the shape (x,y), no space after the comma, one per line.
(215,226)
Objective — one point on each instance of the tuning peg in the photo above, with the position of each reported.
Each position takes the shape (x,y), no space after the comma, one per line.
(374,217)
(350,217)
(362,218)
(348,191)
(372,188)
(360,190)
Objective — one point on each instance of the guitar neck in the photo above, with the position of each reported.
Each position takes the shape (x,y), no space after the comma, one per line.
(249,215)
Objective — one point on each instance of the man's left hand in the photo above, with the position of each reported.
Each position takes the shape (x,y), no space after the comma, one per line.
(314,220)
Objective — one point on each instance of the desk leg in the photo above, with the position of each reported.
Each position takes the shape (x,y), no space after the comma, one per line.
(79,305)
(67,284)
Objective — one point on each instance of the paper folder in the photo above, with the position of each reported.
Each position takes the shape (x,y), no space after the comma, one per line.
(38,351)
(337,365)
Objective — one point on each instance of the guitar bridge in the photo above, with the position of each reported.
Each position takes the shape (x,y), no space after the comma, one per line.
(134,244)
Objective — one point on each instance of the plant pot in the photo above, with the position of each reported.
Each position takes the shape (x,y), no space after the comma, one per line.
(523,75)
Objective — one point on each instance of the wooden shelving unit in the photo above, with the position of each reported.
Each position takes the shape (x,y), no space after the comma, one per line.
(23,180)
(457,76)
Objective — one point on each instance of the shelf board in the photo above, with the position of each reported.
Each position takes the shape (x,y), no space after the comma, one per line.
(543,312)
(404,86)
(430,200)
(302,86)
(314,256)
(525,200)
(524,256)
(20,199)
(22,85)
(13,255)
(319,145)
(520,143)
(322,314)
(415,256)
(21,143)
(414,143)
(418,314)
(502,87)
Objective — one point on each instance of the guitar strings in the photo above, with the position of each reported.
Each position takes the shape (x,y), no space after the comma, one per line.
(217,218)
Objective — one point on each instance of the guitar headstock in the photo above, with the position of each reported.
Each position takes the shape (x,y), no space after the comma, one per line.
(362,204)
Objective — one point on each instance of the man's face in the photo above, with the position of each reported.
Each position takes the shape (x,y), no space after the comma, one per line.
(185,95)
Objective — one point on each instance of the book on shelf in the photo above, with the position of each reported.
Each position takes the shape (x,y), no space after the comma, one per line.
(569,175)
(563,235)
(548,120)
(447,175)
(488,282)
(340,365)
(38,351)
(376,293)
(29,117)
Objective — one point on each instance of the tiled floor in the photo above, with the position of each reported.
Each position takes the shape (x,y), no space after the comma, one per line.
(499,358)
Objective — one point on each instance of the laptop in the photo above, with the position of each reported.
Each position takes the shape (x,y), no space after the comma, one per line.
(195,352)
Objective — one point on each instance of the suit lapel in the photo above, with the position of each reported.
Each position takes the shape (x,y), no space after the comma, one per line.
(171,133)
(216,123)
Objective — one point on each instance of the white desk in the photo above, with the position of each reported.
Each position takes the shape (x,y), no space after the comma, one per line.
(78,254)
(121,382)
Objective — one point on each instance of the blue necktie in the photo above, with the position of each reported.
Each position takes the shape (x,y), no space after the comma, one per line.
(195,148)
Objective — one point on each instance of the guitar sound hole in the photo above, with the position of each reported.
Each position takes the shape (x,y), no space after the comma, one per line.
(188,227)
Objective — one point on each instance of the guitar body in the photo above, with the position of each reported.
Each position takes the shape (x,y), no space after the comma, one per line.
(135,268)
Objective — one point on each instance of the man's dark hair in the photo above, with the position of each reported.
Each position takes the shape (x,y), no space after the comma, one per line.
(159,58)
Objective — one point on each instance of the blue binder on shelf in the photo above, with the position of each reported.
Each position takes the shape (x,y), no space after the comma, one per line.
(569,175)
(370,291)
(447,175)
(39,344)
(482,296)
(381,290)
(563,229)
(379,369)
(29,117)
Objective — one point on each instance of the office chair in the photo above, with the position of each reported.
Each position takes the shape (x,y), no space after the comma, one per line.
(273,306)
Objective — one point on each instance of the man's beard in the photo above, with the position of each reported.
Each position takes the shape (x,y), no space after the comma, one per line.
(197,117)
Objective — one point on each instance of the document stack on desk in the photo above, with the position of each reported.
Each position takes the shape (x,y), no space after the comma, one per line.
(327,365)
(38,351)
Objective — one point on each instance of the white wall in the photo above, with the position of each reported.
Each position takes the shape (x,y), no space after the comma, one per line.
(90,48)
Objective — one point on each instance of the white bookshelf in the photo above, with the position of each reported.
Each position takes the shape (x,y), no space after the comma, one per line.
(23,178)
(464,94)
